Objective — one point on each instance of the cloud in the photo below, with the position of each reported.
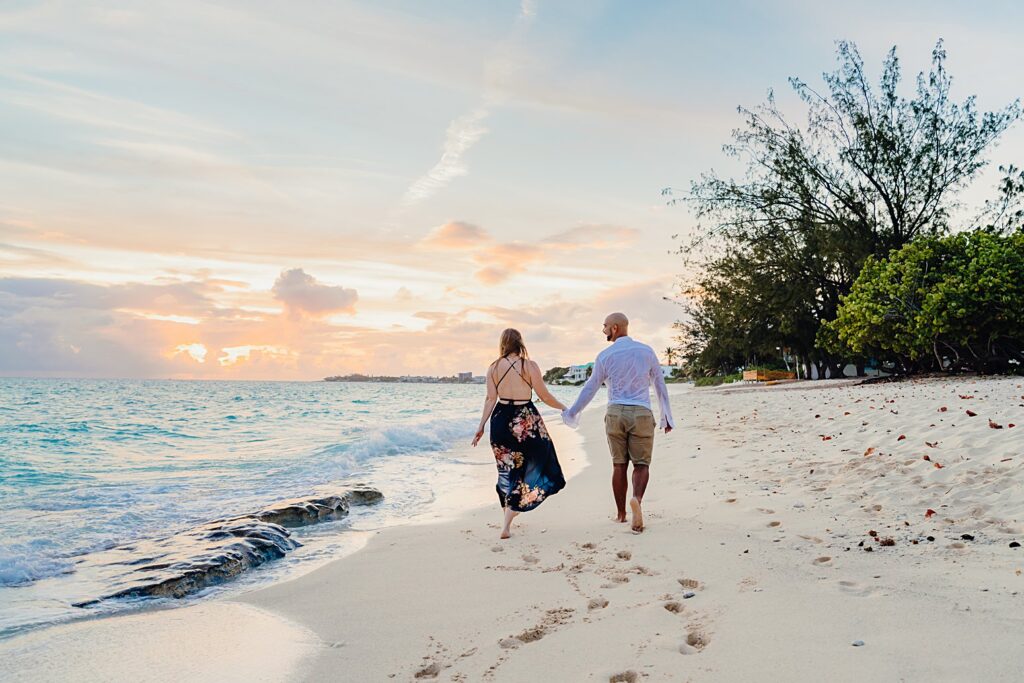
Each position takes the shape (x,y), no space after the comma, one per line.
(170,298)
(462,133)
(456,235)
(466,130)
(302,293)
(593,237)
(502,261)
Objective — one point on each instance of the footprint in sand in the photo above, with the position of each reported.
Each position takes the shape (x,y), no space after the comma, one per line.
(697,639)
(674,607)
(624,677)
(824,559)
(429,671)
(597,603)
(530,559)
(624,555)
(775,523)
(497,549)
(857,589)
(689,583)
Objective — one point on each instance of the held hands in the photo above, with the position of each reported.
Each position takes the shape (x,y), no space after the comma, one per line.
(479,433)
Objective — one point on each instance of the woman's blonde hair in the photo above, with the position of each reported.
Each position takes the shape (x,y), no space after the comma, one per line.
(512,342)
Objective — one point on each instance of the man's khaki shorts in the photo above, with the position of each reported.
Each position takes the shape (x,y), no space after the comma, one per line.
(630,432)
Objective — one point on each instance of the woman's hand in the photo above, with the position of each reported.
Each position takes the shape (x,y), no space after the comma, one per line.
(479,433)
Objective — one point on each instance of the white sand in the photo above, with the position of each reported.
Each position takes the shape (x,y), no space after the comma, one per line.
(215,641)
(750,507)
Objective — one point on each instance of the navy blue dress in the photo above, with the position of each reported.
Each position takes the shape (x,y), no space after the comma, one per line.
(528,469)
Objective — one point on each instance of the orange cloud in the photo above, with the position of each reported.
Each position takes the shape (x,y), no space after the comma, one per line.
(502,261)
(456,235)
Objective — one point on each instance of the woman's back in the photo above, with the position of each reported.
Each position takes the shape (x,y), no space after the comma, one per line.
(511,378)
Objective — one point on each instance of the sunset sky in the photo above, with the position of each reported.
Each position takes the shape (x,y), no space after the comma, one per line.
(269,190)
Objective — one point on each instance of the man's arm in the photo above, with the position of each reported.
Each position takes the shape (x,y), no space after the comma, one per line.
(570,416)
(667,423)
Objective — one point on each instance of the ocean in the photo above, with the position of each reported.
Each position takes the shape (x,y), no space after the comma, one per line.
(87,465)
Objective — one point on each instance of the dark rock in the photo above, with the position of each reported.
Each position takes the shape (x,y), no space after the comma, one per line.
(1014,544)
(304,511)
(931,538)
(967,537)
(184,563)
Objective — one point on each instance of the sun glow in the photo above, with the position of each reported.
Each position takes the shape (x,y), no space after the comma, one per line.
(197,351)
(235,354)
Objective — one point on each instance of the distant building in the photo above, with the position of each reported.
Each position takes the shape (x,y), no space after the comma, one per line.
(465,376)
(577,373)
(667,370)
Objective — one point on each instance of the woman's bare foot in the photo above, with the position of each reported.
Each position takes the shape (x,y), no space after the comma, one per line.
(638,515)
(510,514)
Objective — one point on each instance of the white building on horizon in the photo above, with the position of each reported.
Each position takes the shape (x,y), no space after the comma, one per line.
(577,373)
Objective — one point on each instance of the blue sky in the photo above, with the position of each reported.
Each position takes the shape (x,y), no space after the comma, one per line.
(211,147)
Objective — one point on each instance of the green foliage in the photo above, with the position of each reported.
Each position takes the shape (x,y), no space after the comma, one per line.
(554,374)
(715,380)
(870,171)
(939,303)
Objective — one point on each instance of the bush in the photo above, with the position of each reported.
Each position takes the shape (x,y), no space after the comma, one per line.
(554,374)
(715,380)
(947,303)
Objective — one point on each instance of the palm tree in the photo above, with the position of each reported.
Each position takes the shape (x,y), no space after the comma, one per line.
(670,354)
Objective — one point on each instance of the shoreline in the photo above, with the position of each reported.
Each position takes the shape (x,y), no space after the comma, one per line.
(108,634)
(754,565)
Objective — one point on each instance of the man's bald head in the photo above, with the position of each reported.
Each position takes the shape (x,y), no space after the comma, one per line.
(616,325)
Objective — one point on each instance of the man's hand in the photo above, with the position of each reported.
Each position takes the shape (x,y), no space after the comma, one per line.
(667,429)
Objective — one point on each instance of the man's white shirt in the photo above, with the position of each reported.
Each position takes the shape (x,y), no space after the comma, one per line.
(629,368)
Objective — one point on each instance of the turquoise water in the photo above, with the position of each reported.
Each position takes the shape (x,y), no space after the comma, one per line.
(89,464)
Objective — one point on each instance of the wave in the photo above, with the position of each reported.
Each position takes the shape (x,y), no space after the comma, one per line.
(402,439)
(24,563)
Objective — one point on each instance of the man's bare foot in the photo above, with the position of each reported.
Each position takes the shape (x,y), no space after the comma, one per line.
(621,516)
(638,515)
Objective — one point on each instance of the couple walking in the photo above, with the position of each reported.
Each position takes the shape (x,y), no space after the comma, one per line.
(528,469)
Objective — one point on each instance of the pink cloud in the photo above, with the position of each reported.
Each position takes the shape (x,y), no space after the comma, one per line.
(302,293)
(456,235)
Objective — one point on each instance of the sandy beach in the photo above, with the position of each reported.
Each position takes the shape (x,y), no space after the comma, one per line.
(799,532)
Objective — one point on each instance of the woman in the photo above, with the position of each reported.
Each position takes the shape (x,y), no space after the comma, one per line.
(528,469)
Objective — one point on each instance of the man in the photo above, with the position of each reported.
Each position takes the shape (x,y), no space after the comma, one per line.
(629,368)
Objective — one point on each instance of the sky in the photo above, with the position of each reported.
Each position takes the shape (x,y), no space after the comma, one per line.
(266,190)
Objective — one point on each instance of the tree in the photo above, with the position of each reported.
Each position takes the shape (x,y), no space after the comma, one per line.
(948,303)
(554,374)
(867,172)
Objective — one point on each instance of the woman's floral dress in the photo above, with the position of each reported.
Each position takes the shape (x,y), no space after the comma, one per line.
(528,469)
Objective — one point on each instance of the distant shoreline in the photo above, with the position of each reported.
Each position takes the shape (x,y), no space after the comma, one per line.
(405,379)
